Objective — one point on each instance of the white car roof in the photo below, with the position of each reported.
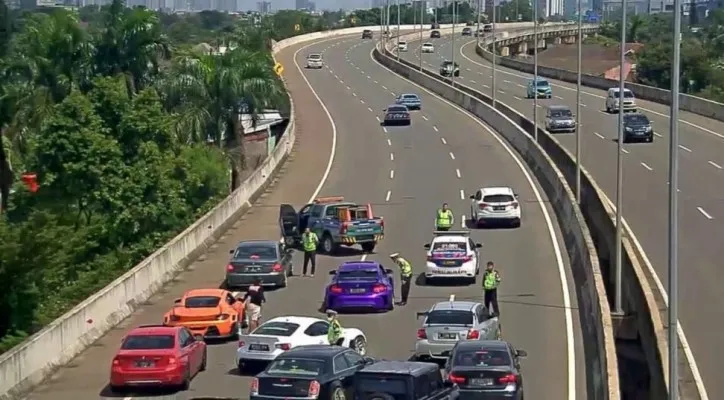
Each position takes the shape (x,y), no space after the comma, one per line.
(450,239)
(487,191)
(615,90)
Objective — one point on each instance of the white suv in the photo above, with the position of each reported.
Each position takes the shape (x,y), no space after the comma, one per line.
(315,61)
(402,45)
(612,104)
(495,204)
(427,48)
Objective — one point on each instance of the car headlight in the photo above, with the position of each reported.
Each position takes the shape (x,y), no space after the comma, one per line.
(628,129)
(648,129)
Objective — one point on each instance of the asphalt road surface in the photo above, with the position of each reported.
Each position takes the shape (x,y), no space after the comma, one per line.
(406,173)
(645,192)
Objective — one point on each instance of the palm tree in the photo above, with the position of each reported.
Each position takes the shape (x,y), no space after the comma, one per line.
(209,92)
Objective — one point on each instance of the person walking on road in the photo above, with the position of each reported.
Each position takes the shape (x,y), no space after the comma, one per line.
(444,219)
(310,241)
(491,280)
(253,300)
(405,276)
(335,331)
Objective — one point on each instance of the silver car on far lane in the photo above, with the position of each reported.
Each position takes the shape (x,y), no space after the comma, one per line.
(449,321)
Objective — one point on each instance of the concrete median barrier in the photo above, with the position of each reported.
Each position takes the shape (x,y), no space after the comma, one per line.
(551,165)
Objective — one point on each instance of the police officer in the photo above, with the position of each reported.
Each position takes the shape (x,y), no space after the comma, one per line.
(335,331)
(444,219)
(405,276)
(491,280)
(310,241)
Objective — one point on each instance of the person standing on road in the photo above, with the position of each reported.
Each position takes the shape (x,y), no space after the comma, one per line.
(491,280)
(310,241)
(335,331)
(405,276)
(253,300)
(444,219)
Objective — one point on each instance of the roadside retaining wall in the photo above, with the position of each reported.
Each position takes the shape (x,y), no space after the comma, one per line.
(697,105)
(551,169)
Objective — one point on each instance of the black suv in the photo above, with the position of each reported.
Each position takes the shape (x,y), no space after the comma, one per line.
(467,32)
(367,34)
(637,128)
(435,35)
(402,380)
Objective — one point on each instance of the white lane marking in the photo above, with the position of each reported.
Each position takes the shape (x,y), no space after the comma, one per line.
(387,198)
(361,101)
(349,88)
(389,143)
(685,148)
(354,94)
(378,119)
(452,155)
(518,98)
(643,164)
(457,172)
(500,91)
(704,213)
(384,87)
(425,118)
(702,391)
(462,221)
(583,105)
(567,310)
(393,93)
(599,135)
(341,81)
(658,134)
(462,197)
(715,165)
(473,82)
(384,129)
(375,82)
(452,297)
(368,77)
(486,86)
(512,82)
(392,174)
(392,157)
(363,258)
(369,109)
(435,128)
(443,140)
(624,150)
(561,98)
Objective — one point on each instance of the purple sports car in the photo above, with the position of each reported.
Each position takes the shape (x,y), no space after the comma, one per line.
(360,284)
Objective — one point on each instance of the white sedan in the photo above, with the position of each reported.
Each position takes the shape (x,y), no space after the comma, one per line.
(452,254)
(280,334)
(427,48)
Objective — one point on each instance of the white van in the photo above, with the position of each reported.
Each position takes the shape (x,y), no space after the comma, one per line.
(612,105)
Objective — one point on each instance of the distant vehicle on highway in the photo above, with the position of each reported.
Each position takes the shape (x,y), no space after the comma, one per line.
(480,33)
(435,35)
(211,313)
(403,380)
(452,255)
(612,100)
(157,355)
(637,128)
(447,322)
(315,60)
(559,118)
(427,48)
(361,284)
(367,34)
(267,260)
(495,204)
(539,87)
(488,28)
(449,68)
(309,372)
(469,23)
(397,114)
(486,369)
(434,25)
(467,32)
(411,100)
(402,45)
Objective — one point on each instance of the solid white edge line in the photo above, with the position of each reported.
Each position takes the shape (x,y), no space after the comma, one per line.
(568,315)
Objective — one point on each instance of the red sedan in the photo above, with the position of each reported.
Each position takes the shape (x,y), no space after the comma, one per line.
(156,355)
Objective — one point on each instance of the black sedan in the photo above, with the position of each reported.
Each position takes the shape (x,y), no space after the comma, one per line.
(486,369)
(306,372)
(397,114)
(435,35)
(467,32)
(637,128)
(267,260)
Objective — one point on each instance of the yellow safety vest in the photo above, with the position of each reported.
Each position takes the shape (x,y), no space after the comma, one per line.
(444,218)
(405,267)
(309,241)
(334,332)
(491,280)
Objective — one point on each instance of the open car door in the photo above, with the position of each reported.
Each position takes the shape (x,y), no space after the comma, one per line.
(288,223)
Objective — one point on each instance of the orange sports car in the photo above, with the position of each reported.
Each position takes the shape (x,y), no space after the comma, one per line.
(211,313)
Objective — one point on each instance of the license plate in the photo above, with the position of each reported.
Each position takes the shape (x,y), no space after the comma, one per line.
(358,290)
(447,336)
(144,364)
(482,382)
(449,262)
(258,347)
(499,208)
(449,271)
(253,269)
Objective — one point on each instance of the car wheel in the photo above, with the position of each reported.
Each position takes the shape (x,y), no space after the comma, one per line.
(187,380)
(336,391)
(359,344)
(391,305)
(327,244)
(203,363)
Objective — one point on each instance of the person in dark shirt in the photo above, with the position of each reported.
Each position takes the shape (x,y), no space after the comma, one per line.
(253,299)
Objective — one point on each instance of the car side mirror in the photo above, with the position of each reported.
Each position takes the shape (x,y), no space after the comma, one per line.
(478,245)
(516,195)
(177,301)
(472,197)
(427,246)
(333,272)
(521,353)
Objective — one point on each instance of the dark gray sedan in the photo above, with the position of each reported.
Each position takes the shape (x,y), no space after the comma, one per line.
(267,260)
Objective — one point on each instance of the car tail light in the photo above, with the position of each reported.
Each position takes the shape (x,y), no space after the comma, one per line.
(222,317)
(283,346)
(515,204)
(382,223)
(483,206)
(254,387)
(241,344)
(473,334)
(456,379)
(336,289)
(468,259)
(313,389)
(277,268)
(172,360)
(421,334)
(379,288)
(507,379)
(116,362)
(229,268)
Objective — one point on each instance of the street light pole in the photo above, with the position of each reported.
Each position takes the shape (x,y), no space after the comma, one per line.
(494,50)
(578,102)
(452,75)
(618,300)
(422,21)
(535,69)
(398,30)
(673,210)
(477,32)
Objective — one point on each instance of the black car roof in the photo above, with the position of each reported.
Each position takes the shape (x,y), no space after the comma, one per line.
(482,344)
(400,367)
(313,351)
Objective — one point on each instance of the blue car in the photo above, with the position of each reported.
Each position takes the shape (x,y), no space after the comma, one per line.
(541,87)
(412,101)
(360,284)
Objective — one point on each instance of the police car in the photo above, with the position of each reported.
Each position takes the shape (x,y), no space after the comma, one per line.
(452,255)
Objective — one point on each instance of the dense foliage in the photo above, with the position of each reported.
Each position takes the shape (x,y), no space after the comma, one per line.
(129,134)
(702,52)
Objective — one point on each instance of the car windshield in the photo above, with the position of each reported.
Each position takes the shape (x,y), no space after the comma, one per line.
(542,83)
(148,342)
(202,301)
(482,358)
(410,97)
(276,329)
(402,42)
(368,383)
(315,57)
(626,94)
(356,275)
(561,113)
(256,252)
(498,198)
(396,109)
(296,366)
(637,119)
(427,45)
(449,246)
(449,317)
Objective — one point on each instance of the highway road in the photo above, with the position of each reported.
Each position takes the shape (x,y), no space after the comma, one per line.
(406,173)
(645,193)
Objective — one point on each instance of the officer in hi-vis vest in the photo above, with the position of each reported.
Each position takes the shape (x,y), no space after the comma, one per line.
(405,276)
(491,280)
(444,219)
(310,241)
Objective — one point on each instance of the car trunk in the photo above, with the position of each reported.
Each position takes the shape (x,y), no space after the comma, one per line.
(447,334)
(184,314)
(284,387)
(486,378)
(357,287)
(253,266)
(499,203)
(451,259)
(260,343)
(144,359)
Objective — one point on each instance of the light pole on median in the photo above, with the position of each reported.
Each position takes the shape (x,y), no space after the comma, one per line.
(477,32)
(535,69)
(673,211)
(422,21)
(398,30)
(618,299)
(578,103)
(452,75)
(494,50)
